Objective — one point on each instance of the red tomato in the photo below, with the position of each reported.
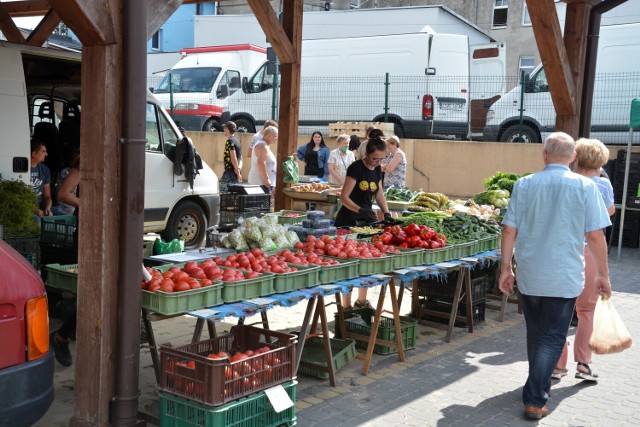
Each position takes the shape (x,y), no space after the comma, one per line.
(252,275)
(154,287)
(276,269)
(195,285)
(205,282)
(180,276)
(174,269)
(190,265)
(181,286)
(167,274)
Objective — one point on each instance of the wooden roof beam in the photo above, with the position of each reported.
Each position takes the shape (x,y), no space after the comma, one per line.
(271,26)
(548,34)
(44,29)
(21,9)
(8,27)
(162,10)
(91,21)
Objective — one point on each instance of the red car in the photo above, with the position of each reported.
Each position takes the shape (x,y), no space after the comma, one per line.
(26,362)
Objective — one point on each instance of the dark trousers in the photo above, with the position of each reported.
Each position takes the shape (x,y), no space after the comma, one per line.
(547,320)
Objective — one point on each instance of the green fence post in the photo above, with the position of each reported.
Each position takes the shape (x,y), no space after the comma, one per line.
(386,97)
(274,98)
(519,138)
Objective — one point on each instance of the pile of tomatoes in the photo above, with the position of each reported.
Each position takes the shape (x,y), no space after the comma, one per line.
(341,248)
(176,279)
(411,236)
(257,261)
(305,259)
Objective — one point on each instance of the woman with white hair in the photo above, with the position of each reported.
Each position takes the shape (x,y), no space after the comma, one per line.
(263,161)
(395,166)
(339,161)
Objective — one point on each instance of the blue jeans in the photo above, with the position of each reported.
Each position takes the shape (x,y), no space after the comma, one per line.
(547,320)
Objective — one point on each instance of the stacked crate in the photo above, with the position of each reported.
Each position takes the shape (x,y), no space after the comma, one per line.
(198,388)
(234,206)
(631,232)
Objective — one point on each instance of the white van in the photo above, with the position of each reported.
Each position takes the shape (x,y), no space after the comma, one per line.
(198,86)
(40,96)
(617,83)
(344,80)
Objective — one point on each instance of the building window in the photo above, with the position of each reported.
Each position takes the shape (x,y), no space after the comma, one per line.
(500,9)
(155,40)
(526,64)
(526,19)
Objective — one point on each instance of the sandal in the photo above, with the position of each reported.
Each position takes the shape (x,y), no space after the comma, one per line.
(587,376)
(559,373)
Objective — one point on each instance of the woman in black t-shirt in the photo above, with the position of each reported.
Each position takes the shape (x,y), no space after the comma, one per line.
(363,182)
(232,159)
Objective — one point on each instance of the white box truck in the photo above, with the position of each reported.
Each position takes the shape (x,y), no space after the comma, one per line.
(198,86)
(430,91)
(40,93)
(617,83)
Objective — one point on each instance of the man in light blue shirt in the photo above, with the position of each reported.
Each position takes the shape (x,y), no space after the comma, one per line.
(549,216)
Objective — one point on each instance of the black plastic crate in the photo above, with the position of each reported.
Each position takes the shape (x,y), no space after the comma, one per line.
(232,202)
(54,254)
(229,220)
(622,157)
(478,310)
(443,289)
(28,247)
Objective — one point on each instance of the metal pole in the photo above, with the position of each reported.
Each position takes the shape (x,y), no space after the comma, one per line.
(274,94)
(171,96)
(386,97)
(124,403)
(519,138)
(623,207)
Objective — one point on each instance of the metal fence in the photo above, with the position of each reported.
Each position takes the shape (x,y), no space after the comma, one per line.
(447,107)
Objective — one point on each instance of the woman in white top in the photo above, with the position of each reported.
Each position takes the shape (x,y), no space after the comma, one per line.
(395,167)
(339,161)
(263,161)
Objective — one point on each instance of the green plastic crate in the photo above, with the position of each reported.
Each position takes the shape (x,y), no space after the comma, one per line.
(182,302)
(434,256)
(254,410)
(386,330)
(58,230)
(63,277)
(246,289)
(347,269)
(369,266)
(305,277)
(290,219)
(407,258)
(487,244)
(462,250)
(313,362)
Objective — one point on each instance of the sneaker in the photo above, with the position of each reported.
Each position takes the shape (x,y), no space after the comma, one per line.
(559,373)
(362,304)
(587,376)
(61,350)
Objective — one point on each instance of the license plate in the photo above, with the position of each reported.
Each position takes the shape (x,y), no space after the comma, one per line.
(450,106)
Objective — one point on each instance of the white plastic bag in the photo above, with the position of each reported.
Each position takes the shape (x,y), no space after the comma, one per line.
(609,335)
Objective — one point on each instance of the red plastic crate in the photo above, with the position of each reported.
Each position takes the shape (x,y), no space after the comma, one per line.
(218,381)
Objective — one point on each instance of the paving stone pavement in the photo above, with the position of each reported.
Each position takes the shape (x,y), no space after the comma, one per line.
(475,380)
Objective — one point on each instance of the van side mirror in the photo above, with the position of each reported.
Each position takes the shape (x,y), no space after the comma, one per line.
(152,89)
(223,91)
(431,71)
(245,85)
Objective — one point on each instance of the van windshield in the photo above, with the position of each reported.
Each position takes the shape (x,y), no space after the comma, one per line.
(189,80)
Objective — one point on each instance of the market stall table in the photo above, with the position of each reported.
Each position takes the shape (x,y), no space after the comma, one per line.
(242,310)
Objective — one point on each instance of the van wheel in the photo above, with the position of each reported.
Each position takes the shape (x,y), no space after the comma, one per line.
(211,125)
(512,134)
(398,130)
(245,126)
(187,222)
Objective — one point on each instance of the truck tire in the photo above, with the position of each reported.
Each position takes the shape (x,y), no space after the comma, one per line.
(187,222)
(512,132)
(245,126)
(211,125)
(398,130)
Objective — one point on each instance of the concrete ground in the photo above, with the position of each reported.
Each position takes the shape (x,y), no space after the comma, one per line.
(474,380)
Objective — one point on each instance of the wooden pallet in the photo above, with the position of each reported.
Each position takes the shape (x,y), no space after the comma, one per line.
(359,128)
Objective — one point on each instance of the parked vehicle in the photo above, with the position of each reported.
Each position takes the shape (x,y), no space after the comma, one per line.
(344,80)
(617,83)
(198,86)
(40,95)
(26,363)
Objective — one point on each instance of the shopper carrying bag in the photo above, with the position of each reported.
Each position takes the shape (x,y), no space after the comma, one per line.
(610,335)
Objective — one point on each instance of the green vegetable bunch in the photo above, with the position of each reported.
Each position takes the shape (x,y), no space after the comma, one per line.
(17,204)
(497,198)
(501,181)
